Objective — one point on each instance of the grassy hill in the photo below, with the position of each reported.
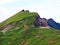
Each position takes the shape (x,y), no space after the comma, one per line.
(30,36)
(25,33)
(18,16)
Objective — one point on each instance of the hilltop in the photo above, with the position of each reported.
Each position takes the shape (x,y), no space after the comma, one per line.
(18,16)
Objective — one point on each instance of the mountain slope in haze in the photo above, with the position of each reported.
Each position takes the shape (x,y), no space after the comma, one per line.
(23,31)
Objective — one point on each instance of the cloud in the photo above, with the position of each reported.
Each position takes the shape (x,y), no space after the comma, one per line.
(6,1)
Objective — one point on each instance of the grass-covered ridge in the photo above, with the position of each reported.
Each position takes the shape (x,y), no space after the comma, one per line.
(24,31)
(20,15)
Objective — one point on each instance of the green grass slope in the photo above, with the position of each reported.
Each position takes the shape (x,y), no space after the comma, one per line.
(25,33)
(20,15)
(30,36)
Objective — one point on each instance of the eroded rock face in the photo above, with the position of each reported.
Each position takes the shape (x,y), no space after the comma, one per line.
(40,21)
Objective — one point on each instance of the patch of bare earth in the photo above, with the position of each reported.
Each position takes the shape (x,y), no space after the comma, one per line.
(51,42)
(24,43)
(25,26)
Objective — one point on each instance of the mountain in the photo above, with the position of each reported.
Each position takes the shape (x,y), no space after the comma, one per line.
(28,28)
(18,16)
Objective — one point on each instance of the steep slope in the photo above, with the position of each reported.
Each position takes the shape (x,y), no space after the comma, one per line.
(30,36)
(25,22)
(22,31)
(20,15)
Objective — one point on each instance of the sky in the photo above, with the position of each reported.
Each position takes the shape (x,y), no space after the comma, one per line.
(45,8)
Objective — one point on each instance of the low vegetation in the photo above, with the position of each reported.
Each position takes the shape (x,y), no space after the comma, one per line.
(24,32)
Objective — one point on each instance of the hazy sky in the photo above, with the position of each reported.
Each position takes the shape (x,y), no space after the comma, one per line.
(45,8)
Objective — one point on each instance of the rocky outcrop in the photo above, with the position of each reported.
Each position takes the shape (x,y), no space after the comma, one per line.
(53,24)
(40,21)
(46,23)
